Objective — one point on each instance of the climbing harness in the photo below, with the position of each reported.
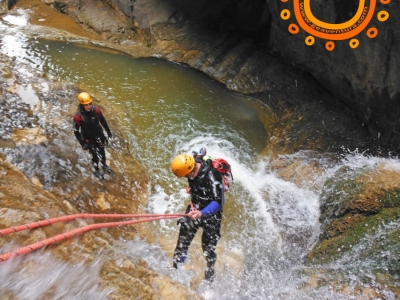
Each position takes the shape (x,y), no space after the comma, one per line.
(78,231)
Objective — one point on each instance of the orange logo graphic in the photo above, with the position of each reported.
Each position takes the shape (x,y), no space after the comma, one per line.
(330,31)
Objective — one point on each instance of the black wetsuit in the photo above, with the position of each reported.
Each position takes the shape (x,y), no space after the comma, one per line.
(89,133)
(206,188)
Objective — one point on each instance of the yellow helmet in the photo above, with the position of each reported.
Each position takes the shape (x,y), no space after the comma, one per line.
(84,98)
(182,165)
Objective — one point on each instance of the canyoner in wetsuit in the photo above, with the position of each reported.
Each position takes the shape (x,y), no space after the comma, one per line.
(205,211)
(88,129)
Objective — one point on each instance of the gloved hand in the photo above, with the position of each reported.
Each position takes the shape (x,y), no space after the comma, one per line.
(109,134)
(85,146)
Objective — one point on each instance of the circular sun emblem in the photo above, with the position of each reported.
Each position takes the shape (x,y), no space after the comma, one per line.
(330,31)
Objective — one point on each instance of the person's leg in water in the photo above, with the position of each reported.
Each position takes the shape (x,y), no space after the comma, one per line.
(102,155)
(95,159)
(186,234)
(94,150)
(209,240)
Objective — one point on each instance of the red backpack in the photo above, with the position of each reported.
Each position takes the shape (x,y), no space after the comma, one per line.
(225,169)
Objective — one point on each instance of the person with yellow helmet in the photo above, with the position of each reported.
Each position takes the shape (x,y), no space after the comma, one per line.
(89,123)
(205,210)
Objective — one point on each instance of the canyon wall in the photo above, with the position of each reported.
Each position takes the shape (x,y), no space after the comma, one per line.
(348,50)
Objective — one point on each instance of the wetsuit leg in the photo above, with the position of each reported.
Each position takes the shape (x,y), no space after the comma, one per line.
(98,154)
(186,234)
(102,155)
(95,158)
(211,235)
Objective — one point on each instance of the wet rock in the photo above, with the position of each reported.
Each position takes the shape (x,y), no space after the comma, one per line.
(26,136)
(304,168)
(102,203)
(364,192)
(341,225)
(7,144)
(35,203)
(35,180)
(357,206)
(361,292)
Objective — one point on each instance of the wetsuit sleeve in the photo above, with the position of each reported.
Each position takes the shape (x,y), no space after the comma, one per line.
(77,126)
(210,209)
(103,121)
(216,187)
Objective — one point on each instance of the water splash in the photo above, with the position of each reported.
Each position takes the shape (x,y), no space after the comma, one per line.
(43,276)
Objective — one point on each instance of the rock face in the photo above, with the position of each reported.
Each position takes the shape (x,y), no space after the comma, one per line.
(254,48)
(362,205)
(366,78)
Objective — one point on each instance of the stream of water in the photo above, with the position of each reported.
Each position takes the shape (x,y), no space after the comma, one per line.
(168,108)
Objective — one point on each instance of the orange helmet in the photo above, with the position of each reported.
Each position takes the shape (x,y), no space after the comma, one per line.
(182,165)
(84,98)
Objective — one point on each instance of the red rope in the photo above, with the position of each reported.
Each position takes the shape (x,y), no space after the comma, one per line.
(78,231)
(47,222)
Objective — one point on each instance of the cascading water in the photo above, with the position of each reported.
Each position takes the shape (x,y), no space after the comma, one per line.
(271,223)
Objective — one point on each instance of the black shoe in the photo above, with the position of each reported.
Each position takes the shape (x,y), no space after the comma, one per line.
(107,169)
(209,274)
(98,174)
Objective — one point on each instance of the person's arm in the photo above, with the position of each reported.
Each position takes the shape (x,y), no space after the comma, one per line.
(103,122)
(210,209)
(216,187)
(77,126)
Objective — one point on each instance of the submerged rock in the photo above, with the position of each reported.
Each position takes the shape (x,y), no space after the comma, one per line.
(26,136)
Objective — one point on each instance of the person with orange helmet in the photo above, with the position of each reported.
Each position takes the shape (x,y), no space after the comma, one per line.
(88,124)
(205,210)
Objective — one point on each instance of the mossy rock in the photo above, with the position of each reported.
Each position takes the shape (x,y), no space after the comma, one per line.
(341,225)
(381,233)
(391,199)
(373,244)
(364,192)
(337,194)
(360,217)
